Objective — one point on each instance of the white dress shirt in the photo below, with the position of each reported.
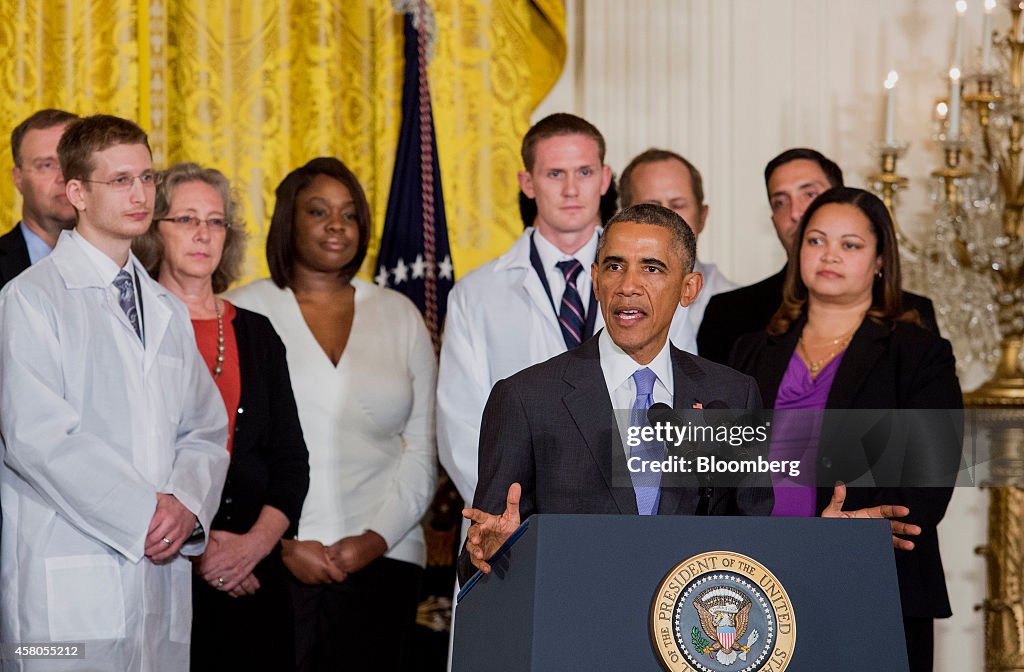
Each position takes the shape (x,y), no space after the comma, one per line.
(551,255)
(618,369)
(109,271)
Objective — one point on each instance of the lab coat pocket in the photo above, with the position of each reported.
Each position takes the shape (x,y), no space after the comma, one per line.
(84,598)
(181,600)
(170,374)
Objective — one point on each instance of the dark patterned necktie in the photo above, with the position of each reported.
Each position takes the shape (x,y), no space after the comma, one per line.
(126,299)
(570,311)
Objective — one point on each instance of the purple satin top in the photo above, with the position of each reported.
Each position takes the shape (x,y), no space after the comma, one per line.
(795,434)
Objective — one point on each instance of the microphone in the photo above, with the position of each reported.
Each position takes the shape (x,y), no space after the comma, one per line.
(663,413)
(657,413)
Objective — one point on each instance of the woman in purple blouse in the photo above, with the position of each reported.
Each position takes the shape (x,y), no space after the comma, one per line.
(842,340)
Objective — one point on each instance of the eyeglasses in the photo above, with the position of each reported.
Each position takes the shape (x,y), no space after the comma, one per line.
(193,222)
(125,182)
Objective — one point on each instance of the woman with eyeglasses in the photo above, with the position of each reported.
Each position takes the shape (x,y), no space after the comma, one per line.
(242,614)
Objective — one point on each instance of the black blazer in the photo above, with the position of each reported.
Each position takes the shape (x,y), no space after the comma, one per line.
(551,428)
(732,314)
(269,461)
(899,366)
(13,254)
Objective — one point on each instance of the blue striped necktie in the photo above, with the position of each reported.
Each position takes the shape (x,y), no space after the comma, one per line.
(646,483)
(570,311)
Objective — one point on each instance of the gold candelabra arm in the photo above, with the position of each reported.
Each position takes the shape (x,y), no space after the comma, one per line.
(886,180)
(951,171)
(983,102)
(1016,46)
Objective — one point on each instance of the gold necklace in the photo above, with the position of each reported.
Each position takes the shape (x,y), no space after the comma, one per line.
(838,345)
(218,367)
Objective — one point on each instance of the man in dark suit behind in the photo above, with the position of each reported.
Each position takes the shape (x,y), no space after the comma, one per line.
(793,179)
(549,442)
(45,210)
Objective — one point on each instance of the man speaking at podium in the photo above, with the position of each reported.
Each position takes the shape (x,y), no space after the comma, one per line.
(548,441)
(549,431)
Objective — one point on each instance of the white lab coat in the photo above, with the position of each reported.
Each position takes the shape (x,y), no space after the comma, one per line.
(500,321)
(93,427)
(686,321)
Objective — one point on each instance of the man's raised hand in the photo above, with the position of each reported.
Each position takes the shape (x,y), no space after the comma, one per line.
(890,511)
(488,531)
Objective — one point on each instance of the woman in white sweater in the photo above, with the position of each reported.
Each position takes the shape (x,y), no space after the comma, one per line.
(363,372)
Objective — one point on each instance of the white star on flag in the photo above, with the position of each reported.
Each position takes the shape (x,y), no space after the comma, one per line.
(401,272)
(445,268)
(418,267)
(382,277)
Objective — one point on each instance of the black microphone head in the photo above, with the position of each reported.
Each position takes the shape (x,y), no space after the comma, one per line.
(659,412)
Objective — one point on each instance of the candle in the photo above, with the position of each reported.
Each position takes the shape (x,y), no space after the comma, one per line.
(958,45)
(954,105)
(890,108)
(986,37)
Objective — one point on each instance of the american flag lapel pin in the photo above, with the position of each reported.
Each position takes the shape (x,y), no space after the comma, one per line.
(698,405)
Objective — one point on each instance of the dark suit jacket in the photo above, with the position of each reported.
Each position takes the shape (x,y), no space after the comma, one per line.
(551,428)
(898,366)
(730,315)
(269,461)
(13,255)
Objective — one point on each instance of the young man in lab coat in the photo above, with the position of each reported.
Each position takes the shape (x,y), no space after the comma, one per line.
(113,431)
(514,311)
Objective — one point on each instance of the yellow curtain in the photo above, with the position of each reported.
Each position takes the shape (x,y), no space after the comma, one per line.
(256,88)
(495,62)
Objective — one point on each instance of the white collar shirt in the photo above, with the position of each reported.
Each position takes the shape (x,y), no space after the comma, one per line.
(551,255)
(108,271)
(618,369)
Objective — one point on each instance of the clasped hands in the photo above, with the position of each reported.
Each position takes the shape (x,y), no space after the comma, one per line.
(169,528)
(313,563)
(488,531)
(229,561)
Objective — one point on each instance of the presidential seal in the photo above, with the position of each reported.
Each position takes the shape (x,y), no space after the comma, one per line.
(722,612)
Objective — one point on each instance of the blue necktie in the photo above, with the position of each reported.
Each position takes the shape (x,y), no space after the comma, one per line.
(570,311)
(126,299)
(647,484)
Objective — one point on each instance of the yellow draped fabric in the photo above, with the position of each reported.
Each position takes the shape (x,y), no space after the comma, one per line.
(495,62)
(256,88)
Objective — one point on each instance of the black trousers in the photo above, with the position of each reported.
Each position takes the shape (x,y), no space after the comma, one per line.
(254,632)
(365,623)
(920,633)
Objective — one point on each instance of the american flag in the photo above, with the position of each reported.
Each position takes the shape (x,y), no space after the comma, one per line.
(414,256)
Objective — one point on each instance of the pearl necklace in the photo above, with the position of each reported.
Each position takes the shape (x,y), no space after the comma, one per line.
(218,368)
